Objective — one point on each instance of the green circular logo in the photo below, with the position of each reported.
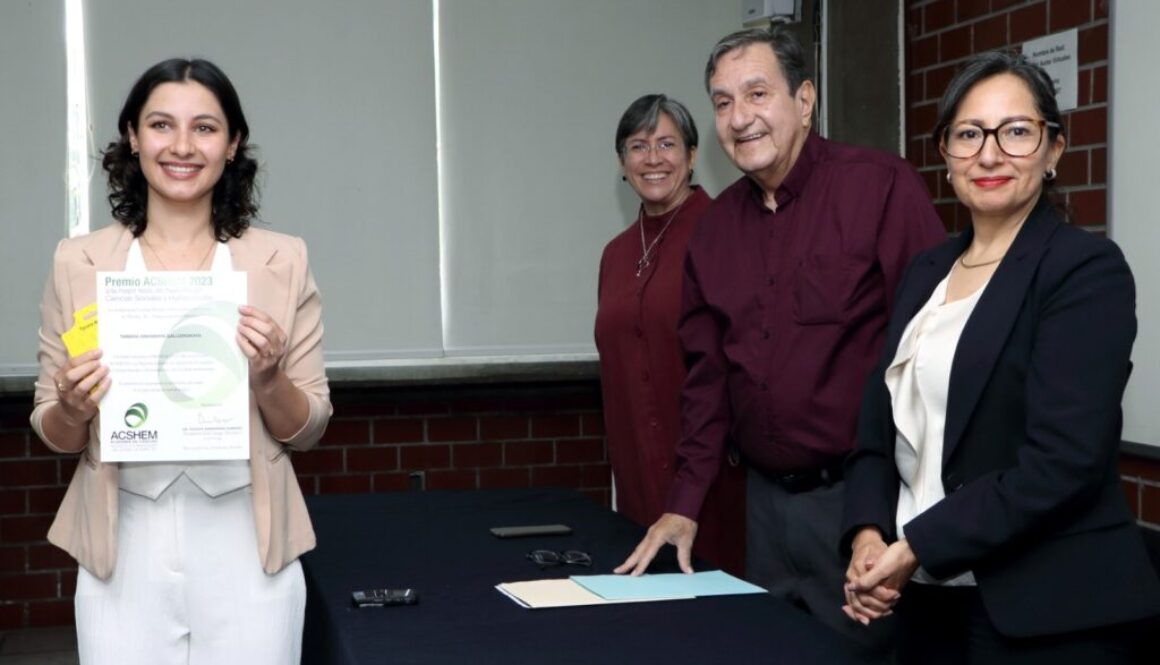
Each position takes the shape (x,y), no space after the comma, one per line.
(136,415)
(206,331)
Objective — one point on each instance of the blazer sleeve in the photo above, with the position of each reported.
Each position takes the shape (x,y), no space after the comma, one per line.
(871,495)
(304,363)
(51,353)
(1075,379)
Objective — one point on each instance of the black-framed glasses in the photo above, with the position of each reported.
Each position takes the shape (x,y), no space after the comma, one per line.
(545,558)
(1016,138)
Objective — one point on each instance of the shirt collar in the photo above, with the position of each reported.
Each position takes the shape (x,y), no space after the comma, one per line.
(799,174)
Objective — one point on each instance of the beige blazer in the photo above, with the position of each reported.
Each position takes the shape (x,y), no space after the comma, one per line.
(279,283)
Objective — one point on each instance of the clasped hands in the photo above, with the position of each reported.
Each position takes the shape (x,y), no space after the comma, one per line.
(876,575)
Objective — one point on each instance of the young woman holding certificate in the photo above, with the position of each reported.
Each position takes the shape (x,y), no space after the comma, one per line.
(188,562)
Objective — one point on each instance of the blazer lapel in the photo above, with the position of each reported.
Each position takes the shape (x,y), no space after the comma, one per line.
(267,278)
(924,276)
(104,250)
(986,331)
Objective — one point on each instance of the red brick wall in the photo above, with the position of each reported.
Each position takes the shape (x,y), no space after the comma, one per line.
(385,440)
(940,35)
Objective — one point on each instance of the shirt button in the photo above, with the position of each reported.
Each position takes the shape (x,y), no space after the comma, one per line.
(764,334)
(644,375)
(653,423)
(764,386)
(639,332)
(769,280)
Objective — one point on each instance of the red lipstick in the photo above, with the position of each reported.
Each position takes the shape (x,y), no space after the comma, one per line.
(991,181)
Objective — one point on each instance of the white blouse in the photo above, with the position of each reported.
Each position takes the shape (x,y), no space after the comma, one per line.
(150,479)
(918,380)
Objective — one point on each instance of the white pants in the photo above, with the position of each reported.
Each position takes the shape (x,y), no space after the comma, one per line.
(188,588)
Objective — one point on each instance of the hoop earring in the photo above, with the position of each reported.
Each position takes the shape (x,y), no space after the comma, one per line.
(1049,175)
(948,177)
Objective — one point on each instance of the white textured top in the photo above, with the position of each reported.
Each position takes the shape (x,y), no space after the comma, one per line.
(150,479)
(918,380)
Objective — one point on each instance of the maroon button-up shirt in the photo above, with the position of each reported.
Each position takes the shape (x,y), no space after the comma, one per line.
(783,312)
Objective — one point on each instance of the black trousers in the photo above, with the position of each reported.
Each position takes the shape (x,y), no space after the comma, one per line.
(791,550)
(950,625)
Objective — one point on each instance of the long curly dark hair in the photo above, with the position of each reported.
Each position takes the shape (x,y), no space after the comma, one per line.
(235,196)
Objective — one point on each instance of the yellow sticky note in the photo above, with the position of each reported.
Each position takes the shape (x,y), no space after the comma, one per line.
(82,337)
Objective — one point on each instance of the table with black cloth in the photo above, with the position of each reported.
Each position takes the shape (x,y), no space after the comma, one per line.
(438,543)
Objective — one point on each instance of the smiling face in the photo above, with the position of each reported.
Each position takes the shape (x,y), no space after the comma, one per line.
(657,165)
(183,142)
(994,185)
(760,124)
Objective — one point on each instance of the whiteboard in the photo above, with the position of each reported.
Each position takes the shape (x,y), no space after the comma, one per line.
(1134,217)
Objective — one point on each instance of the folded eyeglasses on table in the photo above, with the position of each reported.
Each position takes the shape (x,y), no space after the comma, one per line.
(545,558)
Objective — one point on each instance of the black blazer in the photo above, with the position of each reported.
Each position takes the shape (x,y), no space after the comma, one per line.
(1030,460)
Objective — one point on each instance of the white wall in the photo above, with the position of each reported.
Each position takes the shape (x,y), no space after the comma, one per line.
(1135,210)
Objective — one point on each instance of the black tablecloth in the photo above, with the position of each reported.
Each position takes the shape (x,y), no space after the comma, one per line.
(438,543)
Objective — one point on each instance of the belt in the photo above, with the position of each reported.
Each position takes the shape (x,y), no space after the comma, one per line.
(805,480)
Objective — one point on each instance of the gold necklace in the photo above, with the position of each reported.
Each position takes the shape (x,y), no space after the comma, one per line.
(646,252)
(969,266)
(200,264)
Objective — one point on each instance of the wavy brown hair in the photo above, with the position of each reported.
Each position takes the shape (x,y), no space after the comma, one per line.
(235,196)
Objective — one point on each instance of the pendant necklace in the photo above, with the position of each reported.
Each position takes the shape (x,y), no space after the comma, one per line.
(157,256)
(646,251)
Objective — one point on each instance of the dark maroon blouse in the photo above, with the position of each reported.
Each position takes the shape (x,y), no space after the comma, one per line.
(783,313)
(641,373)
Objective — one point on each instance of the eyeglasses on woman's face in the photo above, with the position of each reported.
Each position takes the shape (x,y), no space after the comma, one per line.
(642,149)
(1020,137)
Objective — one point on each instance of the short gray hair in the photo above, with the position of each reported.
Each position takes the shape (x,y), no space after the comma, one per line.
(784,44)
(645,112)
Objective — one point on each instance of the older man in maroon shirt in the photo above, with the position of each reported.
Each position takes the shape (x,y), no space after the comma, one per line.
(788,279)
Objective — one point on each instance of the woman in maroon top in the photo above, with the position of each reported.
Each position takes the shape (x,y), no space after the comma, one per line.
(639,299)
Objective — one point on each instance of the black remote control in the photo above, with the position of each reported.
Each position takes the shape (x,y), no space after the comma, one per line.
(383,597)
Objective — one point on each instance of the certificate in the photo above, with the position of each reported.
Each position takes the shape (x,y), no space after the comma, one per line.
(180,383)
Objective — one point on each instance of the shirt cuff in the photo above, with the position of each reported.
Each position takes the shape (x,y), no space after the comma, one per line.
(685,499)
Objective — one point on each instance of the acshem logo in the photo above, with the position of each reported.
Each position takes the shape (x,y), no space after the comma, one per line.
(136,415)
